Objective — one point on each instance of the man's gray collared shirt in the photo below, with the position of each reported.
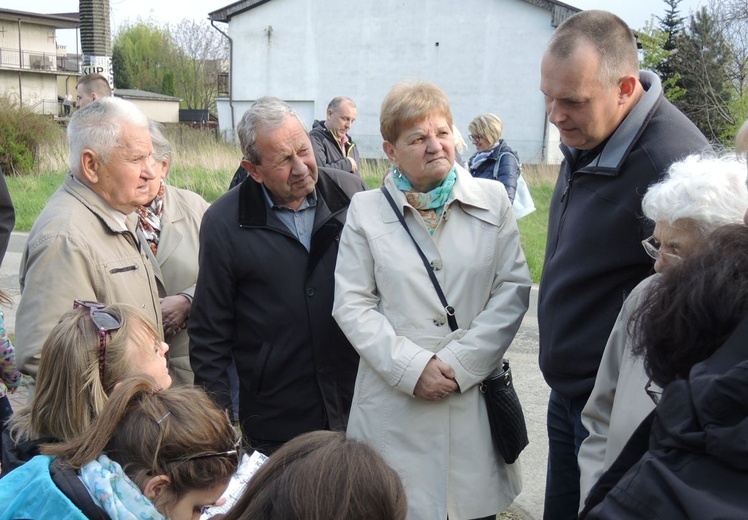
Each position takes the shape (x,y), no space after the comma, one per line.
(299,221)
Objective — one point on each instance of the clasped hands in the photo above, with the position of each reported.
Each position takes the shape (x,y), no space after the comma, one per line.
(437,381)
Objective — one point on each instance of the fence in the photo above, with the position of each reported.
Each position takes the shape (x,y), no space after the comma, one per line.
(41,61)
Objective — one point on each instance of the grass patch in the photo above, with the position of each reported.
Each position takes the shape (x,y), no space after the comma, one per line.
(205,164)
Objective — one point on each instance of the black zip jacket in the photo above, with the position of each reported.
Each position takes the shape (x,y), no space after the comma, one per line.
(266,301)
(594,256)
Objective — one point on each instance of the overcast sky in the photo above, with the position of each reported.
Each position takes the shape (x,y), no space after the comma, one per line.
(635,12)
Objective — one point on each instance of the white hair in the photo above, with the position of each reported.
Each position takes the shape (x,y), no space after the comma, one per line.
(97,127)
(708,190)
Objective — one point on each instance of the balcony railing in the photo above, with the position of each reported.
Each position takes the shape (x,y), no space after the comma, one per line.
(41,61)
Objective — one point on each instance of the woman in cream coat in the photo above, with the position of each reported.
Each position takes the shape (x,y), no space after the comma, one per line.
(170,224)
(416,398)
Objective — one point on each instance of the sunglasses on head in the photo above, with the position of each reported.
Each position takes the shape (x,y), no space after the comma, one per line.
(105,323)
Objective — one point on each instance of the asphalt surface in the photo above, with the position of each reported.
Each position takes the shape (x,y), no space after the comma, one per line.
(523,356)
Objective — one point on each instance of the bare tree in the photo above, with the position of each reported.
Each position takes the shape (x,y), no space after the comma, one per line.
(204,53)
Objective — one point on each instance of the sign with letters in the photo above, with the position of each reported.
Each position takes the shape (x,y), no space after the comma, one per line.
(98,65)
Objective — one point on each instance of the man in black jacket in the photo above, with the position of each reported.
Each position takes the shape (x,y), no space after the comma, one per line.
(7,216)
(333,147)
(265,288)
(619,135)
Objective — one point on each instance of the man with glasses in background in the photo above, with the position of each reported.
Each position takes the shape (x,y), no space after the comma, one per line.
(83,244)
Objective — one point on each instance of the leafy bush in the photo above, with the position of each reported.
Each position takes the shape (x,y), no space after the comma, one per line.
(22,132)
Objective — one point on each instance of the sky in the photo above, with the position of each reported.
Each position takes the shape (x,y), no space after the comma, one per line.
(635,12)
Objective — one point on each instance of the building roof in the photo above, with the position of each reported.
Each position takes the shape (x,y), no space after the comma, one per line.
(133,93)
(58,21)
(559,10)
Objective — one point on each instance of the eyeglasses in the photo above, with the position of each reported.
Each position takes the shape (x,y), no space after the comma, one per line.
(105,323)
(652,247)
(475,138)
(653,391)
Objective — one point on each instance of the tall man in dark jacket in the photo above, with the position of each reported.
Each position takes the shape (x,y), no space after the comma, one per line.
(264,291)
(619,135)
(333,147)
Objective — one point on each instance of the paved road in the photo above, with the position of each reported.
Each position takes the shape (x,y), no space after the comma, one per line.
(531,387)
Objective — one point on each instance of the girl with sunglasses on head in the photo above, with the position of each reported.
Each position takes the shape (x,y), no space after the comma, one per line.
(90,350)
(151,453)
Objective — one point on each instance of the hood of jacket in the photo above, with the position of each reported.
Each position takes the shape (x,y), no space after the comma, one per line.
(707,414)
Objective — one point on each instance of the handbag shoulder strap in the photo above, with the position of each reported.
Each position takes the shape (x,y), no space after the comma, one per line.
(430,270)
(498,164)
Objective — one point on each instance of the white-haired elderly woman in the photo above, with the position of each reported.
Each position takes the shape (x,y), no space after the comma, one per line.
(698,195)
(170,223)
(417,398)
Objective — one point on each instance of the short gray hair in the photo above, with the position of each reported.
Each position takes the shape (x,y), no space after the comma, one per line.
(708,190)
(609,35)
(162,150)
(267,113)
(97,127)
(337,101)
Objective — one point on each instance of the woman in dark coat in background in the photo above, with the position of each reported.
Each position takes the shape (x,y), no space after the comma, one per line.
(494,158)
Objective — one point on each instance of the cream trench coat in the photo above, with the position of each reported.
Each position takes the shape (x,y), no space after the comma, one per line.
(175,265)
(387,307)
(78,250)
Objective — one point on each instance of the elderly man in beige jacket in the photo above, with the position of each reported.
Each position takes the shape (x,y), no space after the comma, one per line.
(83,244)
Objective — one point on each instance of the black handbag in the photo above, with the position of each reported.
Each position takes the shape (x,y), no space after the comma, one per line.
(508,427)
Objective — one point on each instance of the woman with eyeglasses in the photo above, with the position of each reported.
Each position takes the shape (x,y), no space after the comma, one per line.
(698,195)
(151,453)
(90,350)
(494,159)
(688,459)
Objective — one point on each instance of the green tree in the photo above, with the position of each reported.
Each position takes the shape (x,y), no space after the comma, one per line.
(145,53)
(167,86)
(671,26)
(702,60)
(654,54)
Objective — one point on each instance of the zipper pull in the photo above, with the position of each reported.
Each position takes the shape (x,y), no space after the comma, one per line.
(566,190)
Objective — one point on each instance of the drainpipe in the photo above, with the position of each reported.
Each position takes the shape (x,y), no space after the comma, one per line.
(231,74)
(20,65)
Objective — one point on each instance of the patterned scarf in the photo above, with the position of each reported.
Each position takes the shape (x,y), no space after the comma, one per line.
(115,493)
(150,218)
(479,157)
(431,203)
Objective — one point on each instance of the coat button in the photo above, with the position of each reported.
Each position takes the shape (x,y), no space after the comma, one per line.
(436,264)
(440,320)
(310,291)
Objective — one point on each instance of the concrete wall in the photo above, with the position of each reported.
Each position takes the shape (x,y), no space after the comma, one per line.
(34,37)
(39,91)
(485,54)
(161,111)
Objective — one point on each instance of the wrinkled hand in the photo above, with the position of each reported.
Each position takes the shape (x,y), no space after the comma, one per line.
(437,381)
(353,164)
(175,310)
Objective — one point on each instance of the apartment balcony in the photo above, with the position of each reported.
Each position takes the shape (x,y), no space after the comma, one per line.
(12,59)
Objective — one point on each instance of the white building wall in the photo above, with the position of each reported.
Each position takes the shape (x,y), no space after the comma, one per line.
(161,111)
(485,54)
